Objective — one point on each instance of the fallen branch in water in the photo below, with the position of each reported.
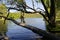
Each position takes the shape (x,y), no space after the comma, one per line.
(46,35)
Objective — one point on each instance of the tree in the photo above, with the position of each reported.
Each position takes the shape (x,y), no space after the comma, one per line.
(3,8)
(57,4)
(49,17)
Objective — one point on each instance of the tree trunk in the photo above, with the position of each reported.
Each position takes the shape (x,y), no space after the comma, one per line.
(46,35)
(52,15)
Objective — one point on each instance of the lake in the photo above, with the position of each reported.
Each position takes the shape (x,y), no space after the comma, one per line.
(16,32)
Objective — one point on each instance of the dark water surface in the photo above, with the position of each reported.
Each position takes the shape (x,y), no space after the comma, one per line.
(16,32)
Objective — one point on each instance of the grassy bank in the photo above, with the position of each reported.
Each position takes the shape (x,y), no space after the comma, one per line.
(58,21)
(3,27)
(17,15)
(26,15)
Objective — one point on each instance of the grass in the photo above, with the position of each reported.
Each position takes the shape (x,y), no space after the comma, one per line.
(58,21)
(26,15)
(3,27)
(58,15)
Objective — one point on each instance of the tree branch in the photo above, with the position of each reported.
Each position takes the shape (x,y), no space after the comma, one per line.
(31,12)
(45,8)
(45,17)
(46,35)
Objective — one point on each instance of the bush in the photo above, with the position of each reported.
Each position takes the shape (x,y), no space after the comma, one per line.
(3,8)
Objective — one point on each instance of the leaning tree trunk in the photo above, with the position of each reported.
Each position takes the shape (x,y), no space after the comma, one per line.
(50,16)
(46,35)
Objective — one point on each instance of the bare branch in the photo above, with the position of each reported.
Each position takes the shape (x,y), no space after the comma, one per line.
(40,9)
(29,7)
(30,12)
(46,35)
(45,8)
(45,17)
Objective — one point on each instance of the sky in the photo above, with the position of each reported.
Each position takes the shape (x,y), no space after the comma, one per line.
(29,3)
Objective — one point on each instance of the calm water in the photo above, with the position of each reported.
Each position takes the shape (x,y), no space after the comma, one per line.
(16,32)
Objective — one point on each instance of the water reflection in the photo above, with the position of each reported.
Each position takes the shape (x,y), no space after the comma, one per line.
(16,32)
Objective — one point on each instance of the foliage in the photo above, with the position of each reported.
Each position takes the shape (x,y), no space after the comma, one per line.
(47,3)
(50,18)
(57,4)
(3,27)
(3,8)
